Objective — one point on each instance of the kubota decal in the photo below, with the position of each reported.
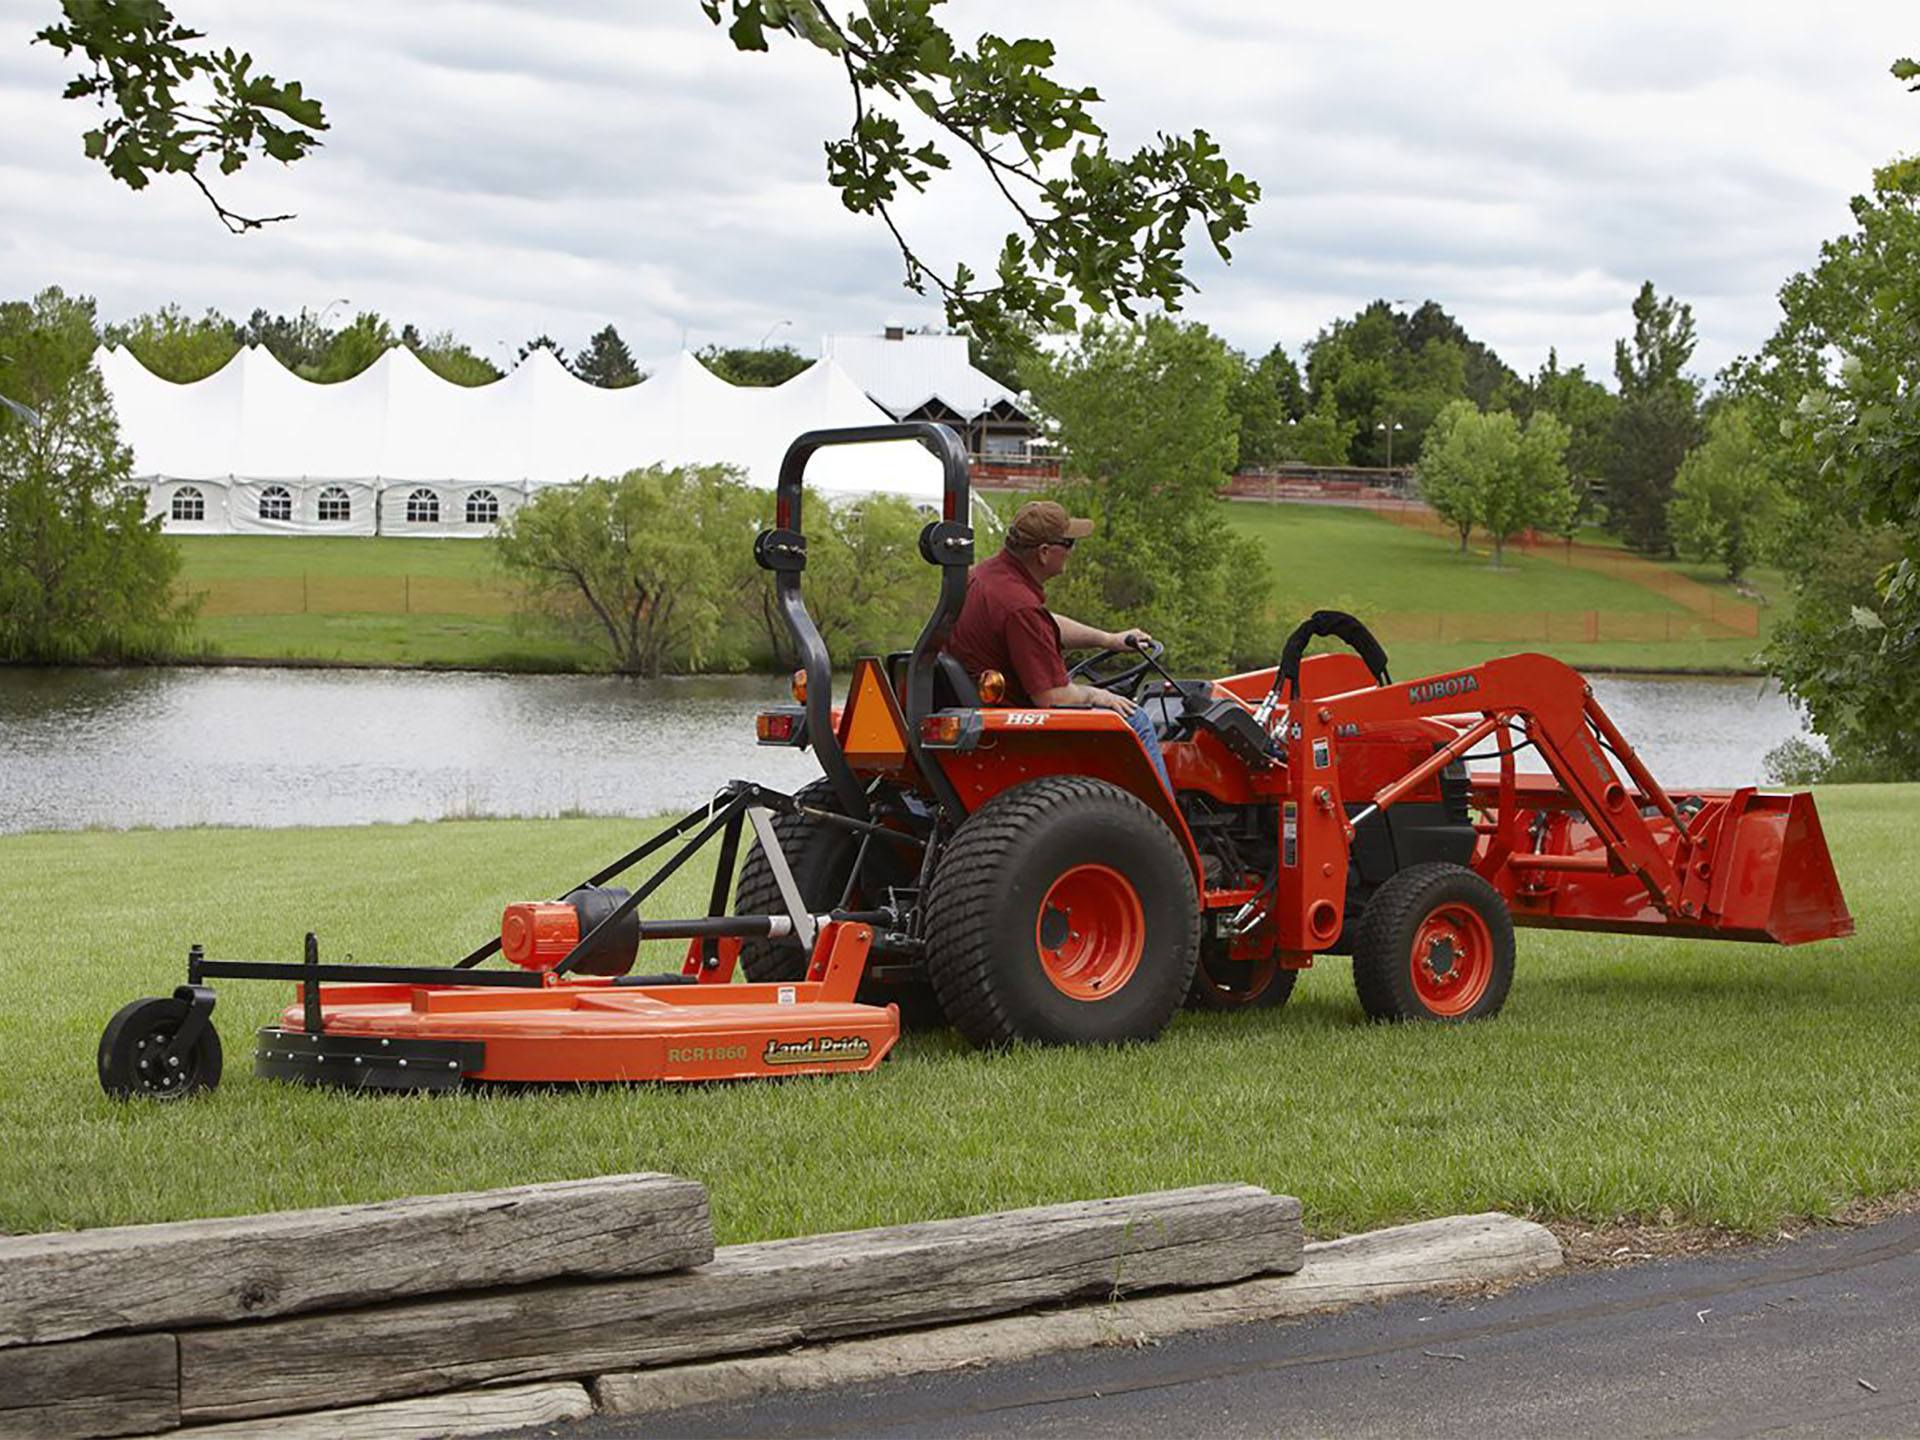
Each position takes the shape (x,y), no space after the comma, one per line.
(1444,688)
(817,1047)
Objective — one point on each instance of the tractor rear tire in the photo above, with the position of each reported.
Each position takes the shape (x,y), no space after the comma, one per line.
(1434,943)
(1064,912)
(820,856)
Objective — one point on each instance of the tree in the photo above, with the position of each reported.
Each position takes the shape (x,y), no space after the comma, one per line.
(1488,470)
(1450,468)
(753,365)
(175,346)
(1584,406)
(83,573)
(1390,374)
(174,104)
(631,562)
(607,362)
(1834,403)
(545,342)
(1266,398)
(352,349)
(1656,421)
(1095,229)
(1725,500)
(1320,437)
(1141,414)
(300,343)
(448,358)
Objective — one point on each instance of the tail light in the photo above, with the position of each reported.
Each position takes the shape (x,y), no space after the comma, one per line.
(951,730)
(781,727)
(799,687)
(992,687)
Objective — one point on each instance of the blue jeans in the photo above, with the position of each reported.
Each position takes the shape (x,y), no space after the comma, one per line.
(1142,724)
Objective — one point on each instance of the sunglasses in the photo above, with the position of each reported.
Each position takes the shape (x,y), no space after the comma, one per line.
(1062,544)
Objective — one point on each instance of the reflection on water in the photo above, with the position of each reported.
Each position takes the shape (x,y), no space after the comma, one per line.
(332,747)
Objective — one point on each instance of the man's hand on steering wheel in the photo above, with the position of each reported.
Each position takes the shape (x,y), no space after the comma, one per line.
(1124,681)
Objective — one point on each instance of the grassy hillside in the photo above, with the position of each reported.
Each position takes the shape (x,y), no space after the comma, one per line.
(426,602)
(1664,1079)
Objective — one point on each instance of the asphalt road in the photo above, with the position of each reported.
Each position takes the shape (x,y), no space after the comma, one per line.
(1818,1337)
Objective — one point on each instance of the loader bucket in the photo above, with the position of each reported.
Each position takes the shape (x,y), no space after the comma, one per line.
(1755,867)
(1773,875)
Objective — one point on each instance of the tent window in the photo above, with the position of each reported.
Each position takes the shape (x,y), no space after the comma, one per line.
(335,504)
(276,503)
(483,508)
(423,508)
(189,504)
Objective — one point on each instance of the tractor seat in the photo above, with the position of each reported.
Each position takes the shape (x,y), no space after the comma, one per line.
(953,688)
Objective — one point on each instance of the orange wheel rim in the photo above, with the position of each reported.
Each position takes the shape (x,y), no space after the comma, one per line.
(1452,960)
(1090,932)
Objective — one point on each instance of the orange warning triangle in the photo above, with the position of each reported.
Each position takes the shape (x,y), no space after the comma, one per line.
(872,730)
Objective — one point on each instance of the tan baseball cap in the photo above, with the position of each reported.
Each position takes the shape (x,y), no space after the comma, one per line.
(1044,522)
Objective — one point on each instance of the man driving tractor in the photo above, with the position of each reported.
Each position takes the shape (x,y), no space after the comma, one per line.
(1005,624)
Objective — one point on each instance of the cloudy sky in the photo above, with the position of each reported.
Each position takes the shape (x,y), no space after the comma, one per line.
(509,168)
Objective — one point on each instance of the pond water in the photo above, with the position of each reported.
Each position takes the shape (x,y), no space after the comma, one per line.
(119,748)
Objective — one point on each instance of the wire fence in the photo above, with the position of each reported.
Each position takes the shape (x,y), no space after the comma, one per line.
(309,594)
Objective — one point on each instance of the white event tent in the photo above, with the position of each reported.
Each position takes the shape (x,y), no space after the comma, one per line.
(398,451)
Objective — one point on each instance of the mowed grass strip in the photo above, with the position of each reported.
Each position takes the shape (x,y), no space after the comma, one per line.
(1732,1084)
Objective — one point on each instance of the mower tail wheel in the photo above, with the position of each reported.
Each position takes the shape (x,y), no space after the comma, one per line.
(1434,943)
(1222,983)
(1063,911)
(133,1060)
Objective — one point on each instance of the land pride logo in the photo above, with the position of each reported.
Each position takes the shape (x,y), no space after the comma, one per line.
(1444,688)
(817,1047)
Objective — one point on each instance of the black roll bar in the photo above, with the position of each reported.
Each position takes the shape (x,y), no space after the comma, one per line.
(946,542)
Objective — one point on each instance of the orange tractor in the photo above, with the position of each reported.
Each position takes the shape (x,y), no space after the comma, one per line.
(1025,874)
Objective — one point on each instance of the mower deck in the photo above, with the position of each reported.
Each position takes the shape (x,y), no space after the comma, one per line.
(426,1037)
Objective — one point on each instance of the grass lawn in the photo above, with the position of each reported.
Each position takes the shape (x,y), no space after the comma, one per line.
(1683,1080)
(1332,557)
(423,602)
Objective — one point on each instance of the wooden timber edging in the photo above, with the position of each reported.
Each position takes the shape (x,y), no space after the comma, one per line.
(64,1286)
(1461,1250)
(751,1297)
(493,1329)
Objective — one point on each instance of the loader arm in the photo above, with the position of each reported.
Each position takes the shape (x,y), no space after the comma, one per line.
(1554,706)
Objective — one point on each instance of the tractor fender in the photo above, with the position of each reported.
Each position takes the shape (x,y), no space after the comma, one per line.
(1014,746)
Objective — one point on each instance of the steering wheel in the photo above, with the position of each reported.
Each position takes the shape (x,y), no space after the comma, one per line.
(1125,680)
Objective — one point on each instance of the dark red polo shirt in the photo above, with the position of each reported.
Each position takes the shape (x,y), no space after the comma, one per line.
(1005,625)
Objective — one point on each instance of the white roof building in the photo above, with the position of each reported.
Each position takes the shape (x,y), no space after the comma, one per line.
(929,377)
(398,450)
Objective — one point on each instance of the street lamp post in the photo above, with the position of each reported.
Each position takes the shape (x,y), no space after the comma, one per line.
(769,335)
(327,309)
(1389,427)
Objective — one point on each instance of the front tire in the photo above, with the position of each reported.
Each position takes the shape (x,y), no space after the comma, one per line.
(1435,943)
(1064,912)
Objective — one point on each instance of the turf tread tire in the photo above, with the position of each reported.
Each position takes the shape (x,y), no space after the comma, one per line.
(1382,949)
(970,883)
